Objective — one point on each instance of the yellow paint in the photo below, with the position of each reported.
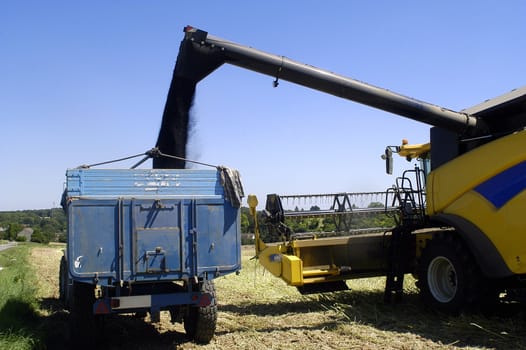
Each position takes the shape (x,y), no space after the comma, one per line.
(252,201)
(333,271)
(504,227)
(450,190)
(270,258)
(460,175)
(325,242)
(414,151)
(292,272)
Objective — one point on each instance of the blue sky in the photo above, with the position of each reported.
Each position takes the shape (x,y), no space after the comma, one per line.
(84,82)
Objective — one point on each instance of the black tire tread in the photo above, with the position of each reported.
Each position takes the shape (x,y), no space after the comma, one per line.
(472,287)
(200,322)
(63,280)
(84,325)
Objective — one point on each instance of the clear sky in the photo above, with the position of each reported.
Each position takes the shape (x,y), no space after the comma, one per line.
(86,81)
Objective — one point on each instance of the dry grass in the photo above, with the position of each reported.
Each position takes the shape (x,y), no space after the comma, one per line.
(258,311)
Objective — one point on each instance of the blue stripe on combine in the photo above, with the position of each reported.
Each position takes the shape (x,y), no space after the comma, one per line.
(504,186)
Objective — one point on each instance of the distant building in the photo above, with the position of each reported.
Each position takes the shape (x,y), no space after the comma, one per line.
(27,233)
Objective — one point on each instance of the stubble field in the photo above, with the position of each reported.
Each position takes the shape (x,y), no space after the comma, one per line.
(258,311)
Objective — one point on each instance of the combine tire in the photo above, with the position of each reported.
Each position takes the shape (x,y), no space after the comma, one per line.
(200,322)
(449,279)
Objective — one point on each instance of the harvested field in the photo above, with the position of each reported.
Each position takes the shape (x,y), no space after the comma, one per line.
(258,311)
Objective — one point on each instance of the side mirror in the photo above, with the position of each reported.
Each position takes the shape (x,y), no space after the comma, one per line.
(388,157)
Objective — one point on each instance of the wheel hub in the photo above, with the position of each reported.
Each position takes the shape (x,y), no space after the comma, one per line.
(442,279)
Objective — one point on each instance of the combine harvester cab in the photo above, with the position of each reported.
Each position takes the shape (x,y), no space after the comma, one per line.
(148,241)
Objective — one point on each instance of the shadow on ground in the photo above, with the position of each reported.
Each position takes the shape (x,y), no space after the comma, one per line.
(117,332)
(503,327)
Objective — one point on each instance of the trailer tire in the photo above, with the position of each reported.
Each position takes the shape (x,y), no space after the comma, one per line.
(200,322)
(65,287)
(62,280)
(84,325)
(449,279)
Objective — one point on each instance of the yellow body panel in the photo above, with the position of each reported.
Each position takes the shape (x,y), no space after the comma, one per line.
(452,189)
(292,270)
(326,242)
(287,267)
(414,151)
(270,258)
(504,227)
(453,179)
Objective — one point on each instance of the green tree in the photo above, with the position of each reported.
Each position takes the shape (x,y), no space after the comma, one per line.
(21,239)
(63,237)
(39,237)
(245,223)
(51,221)
(375,205)
(12,231)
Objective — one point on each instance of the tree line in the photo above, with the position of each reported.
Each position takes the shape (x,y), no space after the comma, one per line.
(48,225)
(327,224)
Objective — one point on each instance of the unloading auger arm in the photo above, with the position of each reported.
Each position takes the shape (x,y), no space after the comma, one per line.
(201,53)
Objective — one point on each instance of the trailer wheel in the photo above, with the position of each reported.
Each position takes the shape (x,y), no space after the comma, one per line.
(200,322)
(65,288)
(85,326)
(62,280)
(448,275)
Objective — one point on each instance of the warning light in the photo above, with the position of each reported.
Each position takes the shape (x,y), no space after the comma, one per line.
(115,303)
(205,300)
(101,308)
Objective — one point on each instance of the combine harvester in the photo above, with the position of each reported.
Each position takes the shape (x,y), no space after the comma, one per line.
(458,229)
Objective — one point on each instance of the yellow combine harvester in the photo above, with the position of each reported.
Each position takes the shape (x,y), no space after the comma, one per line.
(458,225)
(465,241)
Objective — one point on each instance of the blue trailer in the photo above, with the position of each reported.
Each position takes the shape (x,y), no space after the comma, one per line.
(148,240)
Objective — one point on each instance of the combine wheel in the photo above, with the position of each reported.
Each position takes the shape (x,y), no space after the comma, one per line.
(200,322)
(449,279)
